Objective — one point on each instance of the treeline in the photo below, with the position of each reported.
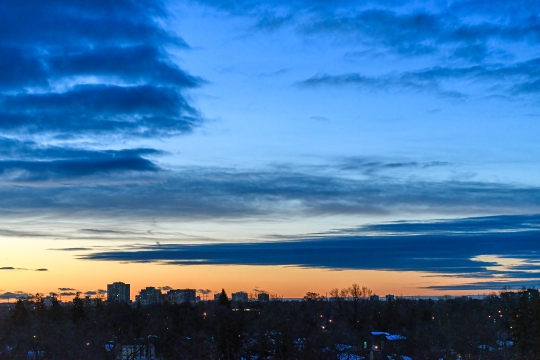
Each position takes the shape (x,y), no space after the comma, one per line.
(505,326)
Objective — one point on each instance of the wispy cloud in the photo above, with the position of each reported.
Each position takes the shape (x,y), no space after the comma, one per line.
(227,193)
(11,268)
(467,29)
(461,44)
(95,292)
(14,295)
(510,80)
(369,166)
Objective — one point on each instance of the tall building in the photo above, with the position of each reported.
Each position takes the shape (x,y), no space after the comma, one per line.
(148,296)
(118,291)
(182,296)
(240,296)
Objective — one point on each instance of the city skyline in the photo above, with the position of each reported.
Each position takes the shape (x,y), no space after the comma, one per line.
(119,292)
(285,146)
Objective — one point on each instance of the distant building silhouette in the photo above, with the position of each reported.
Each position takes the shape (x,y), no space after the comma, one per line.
(264,297)
(180,296)
(240,296)
(390,297)
(118,291)
(148,296)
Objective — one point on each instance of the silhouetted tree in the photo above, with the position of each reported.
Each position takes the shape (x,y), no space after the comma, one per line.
(78,308)
(356,293)
(19,317)
(224,299)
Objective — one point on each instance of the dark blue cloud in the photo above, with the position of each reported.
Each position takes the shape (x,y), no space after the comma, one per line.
(62,169)
(436,247)
(59,22)
(136,89)
(128,63)
(29,150)
(477,225)
(99,109)
(91,70)
(20,69)
(23,161)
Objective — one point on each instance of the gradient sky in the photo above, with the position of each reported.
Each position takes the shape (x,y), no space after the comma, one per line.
(286,146)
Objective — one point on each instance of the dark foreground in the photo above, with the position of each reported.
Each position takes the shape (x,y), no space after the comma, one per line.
(505,326)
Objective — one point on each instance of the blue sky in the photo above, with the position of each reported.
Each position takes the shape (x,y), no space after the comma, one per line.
(217,121)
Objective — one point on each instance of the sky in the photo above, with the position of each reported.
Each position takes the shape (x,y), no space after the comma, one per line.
(284,146)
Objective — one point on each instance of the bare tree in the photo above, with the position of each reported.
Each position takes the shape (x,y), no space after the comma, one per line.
(366,292)
(312,296)
(356,293)
(334,294)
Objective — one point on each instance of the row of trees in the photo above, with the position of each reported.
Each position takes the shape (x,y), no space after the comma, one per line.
(501,326)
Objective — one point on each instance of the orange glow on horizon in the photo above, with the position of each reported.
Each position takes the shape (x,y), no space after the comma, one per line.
(66,271)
